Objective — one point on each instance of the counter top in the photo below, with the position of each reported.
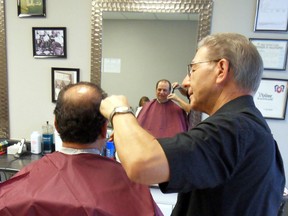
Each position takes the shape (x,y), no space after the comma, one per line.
(11,162)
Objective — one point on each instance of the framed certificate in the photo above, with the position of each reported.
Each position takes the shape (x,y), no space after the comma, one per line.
(271,98)
(273,52)
(271,15)
(62,77)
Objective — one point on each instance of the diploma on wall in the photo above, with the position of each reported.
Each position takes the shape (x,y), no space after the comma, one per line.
(273,52)
(271,98)
(271,15)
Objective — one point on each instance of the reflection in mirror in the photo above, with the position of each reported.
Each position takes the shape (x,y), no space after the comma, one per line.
(199,8)
(149,47)
(4,115)
(203,8)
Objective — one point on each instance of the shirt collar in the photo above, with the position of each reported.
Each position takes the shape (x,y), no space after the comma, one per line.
(72,151)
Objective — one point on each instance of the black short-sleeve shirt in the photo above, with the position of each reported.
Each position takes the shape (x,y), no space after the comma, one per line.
(229,164)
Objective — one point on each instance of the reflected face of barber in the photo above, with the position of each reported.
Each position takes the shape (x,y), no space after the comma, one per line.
(201,81)
(162,91)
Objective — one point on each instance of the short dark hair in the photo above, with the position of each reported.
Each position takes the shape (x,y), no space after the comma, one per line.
(78,119)
(164,80)
(143,100)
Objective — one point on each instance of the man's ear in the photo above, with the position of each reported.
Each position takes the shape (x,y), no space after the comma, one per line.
(104,130)
(223,70)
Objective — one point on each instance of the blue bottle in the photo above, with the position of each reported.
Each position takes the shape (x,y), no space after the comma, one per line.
(110,149)
(47,138)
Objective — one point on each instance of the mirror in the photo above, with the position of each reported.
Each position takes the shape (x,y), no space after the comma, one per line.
(4,114)
(202,9)
(149,47)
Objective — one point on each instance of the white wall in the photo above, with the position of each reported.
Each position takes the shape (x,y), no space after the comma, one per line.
(30,79)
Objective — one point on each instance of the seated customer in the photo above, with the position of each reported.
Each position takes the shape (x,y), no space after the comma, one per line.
(77,180)
(162,117)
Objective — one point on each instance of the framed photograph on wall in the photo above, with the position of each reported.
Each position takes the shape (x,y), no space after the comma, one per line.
(273,52)
(62,77)
(49,42)
(31,8)
(271,98)
(271,15)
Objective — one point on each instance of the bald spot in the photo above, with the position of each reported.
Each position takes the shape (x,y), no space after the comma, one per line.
(81,94)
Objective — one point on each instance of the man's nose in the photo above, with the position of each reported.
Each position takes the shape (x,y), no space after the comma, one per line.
(186,82)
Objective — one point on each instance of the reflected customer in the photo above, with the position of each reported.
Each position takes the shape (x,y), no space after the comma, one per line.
(161,116)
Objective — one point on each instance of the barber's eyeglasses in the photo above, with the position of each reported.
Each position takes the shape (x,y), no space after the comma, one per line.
(189,68)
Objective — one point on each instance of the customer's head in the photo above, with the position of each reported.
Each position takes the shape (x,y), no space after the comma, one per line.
(226,66)
(77,116)
(163,88)
(143,100)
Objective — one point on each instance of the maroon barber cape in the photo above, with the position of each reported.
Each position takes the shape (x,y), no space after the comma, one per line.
(75,185)
(163,119)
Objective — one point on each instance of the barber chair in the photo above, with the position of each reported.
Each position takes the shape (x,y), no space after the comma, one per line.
(7,173)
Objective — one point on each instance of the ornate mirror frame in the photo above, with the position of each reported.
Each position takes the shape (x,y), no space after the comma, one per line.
(201,7)
(4,111)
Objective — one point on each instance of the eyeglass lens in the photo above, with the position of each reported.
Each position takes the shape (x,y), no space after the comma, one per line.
(189,67)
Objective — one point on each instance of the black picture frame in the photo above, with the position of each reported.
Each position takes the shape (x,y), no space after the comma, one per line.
(273,52)
(271,16)
(62,77)
(271,98)
(31,8)
(49,42)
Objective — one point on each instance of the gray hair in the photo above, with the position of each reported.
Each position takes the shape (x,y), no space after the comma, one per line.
(244,59)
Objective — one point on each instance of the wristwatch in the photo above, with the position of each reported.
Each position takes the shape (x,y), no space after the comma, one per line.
(120,110)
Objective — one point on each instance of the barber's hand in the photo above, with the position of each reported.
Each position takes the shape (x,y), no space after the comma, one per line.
(108,104)
(175,84)
(173,96)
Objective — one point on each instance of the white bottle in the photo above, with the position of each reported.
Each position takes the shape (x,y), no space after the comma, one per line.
(36,142)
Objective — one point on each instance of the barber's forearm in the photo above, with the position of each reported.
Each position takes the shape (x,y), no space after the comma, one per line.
(184,105)
(140,153)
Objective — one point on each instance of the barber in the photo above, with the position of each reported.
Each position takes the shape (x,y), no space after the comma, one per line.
(229,164)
